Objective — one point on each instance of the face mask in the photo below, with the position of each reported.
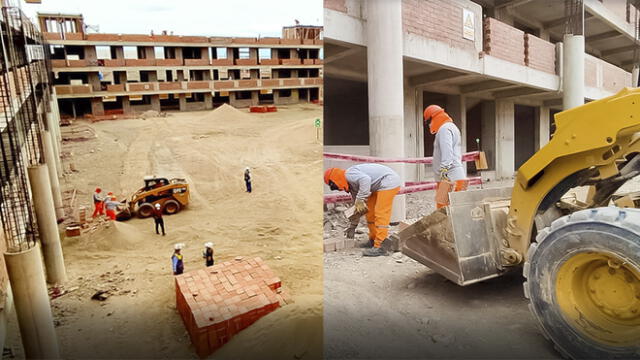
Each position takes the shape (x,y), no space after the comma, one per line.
(333,186)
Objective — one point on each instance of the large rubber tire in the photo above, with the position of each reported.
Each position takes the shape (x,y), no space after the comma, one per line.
(145,210)
(171,207)
(560,268)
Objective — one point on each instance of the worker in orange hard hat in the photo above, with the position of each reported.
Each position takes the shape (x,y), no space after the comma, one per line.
(372,187)
(447,151)
(111,205)
(98,205)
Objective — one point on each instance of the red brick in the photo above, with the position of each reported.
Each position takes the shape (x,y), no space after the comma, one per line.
(246,62)
(196,62)
(169,62)
(222,62)
(103,37)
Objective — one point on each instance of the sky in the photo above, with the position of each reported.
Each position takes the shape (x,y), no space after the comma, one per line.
(240,18)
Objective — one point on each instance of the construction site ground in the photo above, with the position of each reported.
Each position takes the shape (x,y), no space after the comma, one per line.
(280,222)
(395,307)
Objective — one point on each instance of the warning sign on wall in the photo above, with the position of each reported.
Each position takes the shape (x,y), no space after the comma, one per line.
(468,25)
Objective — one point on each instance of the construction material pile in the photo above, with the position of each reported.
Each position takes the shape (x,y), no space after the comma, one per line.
(218,302)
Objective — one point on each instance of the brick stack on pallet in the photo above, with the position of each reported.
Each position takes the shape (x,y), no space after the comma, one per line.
(217,302)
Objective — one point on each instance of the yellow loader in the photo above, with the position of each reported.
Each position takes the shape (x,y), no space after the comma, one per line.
(580,258)
(172,195)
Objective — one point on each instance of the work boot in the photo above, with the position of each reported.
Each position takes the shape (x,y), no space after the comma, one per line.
(374,251)
(367,245)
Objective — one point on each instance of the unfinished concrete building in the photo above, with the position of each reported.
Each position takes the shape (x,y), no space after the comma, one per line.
(30,199)
(100,74)
(500,68)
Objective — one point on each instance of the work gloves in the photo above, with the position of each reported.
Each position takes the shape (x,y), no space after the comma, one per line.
(350,232)
(444,174)
(361,206)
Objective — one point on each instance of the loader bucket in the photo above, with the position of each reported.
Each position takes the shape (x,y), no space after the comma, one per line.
(459,241)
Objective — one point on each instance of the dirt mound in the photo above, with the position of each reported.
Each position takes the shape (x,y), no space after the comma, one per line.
(227,112)
(112,235)
(291,332)
(151,114)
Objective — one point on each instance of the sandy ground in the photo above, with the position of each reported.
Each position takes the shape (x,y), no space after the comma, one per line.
(276,222)
(395,307)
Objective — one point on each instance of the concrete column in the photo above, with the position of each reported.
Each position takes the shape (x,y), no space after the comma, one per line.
(293,54)
(295,96)
(543,127)
(253,53)
(178,52)
(204,53)
(274,53)
(457,109)
(149,52)
(153,76)
(53,128)
(119,52)
(126,105)
(208,101)
(232,99)
(230,54)
(97,107)
(122,77)
(94,81)
(634,76)
(53,174)
(385,87)
(505,142)
(31,299)
(155,102)
(182,99)
(276,97)
(47,226)
(90,53)
(573,71)
(255,99)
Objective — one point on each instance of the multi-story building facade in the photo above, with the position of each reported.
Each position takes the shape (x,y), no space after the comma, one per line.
(495,65)
(102,74)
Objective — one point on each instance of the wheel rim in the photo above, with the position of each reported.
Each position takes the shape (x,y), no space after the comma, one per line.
(171,208)
(145,211)
(599,294)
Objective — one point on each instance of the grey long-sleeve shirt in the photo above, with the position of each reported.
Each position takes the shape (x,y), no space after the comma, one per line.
(447,152)
(364,179)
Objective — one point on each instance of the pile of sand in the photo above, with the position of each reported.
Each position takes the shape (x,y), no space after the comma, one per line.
(112,235)
(227,112)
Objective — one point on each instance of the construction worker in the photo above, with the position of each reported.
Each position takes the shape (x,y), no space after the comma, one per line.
(110,205)
(247,179)
(447,151)
(207,254)
(98,208)
(373,187)
(157,217)
(177,261)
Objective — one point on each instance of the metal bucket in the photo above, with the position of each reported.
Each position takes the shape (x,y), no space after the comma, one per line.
(460,240)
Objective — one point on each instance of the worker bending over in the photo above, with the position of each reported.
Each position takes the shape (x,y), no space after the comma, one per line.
(111,205)
(447,150)
(373,187)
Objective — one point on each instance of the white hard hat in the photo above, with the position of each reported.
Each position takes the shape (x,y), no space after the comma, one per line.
(208,244)
(178,246)
(246,169)
(157,206)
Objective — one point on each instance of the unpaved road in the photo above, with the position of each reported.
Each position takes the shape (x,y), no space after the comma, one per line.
(395,307)
(280,222)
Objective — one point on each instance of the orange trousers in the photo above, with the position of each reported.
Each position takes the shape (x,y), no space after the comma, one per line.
(379,214)
(460,185)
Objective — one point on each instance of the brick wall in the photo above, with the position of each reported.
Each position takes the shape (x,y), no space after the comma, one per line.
(503,41)
(337,5)
(539,54)
(436,19)
(614,78)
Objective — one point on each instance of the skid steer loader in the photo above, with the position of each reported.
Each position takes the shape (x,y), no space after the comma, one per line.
(172,195)
(580,258)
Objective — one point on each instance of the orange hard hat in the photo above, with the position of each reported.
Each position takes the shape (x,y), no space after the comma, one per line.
(438,117)
(110,193)
(338,177)
(113,198)
(98,190)
(431,110)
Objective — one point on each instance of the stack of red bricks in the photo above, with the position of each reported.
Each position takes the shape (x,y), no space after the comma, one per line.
(539,54)
(219,301)
(263,109)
